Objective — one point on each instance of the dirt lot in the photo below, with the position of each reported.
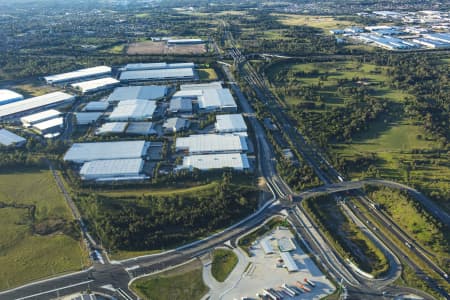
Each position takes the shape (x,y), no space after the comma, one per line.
(149,48)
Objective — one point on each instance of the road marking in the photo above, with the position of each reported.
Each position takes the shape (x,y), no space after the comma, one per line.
(55,290)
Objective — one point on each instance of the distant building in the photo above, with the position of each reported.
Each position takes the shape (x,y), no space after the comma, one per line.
(235,161)
(173,125)
(157,66)
(112,128)
(140,128)
(96,106)
(83,152)
(133,110)
(158,75)
(78,75)
(8,139)
(180,105)
(211,143)
(49,126)
(17,109)
(185,42)
(32,119)
(113,170)
(150,92)
(86,118)
(7,96)
(230,123)
(95,85)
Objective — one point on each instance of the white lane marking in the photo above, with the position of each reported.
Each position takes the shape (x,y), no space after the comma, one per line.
(54,290)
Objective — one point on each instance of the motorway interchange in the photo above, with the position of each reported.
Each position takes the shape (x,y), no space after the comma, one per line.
(113,277)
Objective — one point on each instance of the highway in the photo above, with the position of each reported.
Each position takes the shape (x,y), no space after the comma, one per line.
(323,169)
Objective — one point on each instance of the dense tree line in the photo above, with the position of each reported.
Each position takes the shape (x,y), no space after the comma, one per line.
(159,222)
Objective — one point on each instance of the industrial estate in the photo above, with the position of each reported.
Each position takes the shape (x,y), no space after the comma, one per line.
(208,150)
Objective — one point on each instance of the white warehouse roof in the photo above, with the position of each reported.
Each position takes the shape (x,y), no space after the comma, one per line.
(180,105)
(289,261)
(211,143)
(236,161)
(103,169)
(201,86)
(133,110)
(112,127)
(40,117)
(95,85)
(47,100)
(213,99)
(266,246)
(84,118)
(7,96)
(148,92)
(82,152)
(52,123)
(79,74)
(158,74)
(155,66)
(7,138)
(230,123)
(96,106)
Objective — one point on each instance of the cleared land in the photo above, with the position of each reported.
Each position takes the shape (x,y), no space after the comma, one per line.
(223,263)
(322,22)
(184,282)
(150,48)
(36,240)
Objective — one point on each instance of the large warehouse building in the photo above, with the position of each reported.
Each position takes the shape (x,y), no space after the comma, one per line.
(113,170)
(157,66)
(211,143)
(149,92)
(210,96)
(42,116)
(82,74)
(20,108)
(7,138)
(83,152)
(236,161)
(158,75)
(133,110)
(52,126)
(7,96)
(230,123)
(95,85)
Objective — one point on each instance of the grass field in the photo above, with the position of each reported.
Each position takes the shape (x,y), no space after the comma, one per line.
(223,263)
(184,282)
(207,74)
(33,89)
(287,76)
(24,255)
(323,22)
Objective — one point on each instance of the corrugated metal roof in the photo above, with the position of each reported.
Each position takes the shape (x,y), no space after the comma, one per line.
(175,124)
(266,246)
(159,74)
(149,92)
(216,98)
(93,85)
(96,106)
(216,161)
(140,128)
(111,168)
(180,105)
(82,152)
(34,103)
(133,110)
(7,138)
(79,74)
(56,122)
(7,96)
(84,118)
(41,116)
(289,261)
(230,123)
(212,143)
(201,86)
(112,127)
(154,66)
